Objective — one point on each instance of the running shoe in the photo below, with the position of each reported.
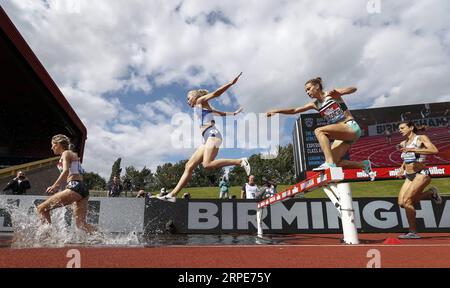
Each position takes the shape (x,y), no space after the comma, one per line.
(167,198)
(324,166)
(409,235)
(368,169)
(246,166)
(435,196)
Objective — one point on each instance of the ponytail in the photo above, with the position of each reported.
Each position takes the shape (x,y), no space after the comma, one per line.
(315,81)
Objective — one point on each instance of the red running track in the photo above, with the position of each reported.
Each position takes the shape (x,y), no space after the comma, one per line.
(298,251)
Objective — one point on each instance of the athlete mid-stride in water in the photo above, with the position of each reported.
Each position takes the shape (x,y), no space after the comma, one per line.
(207,152)
(76,192)
(341,126)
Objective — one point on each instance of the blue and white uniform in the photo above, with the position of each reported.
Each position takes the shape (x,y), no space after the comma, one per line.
(206,118)
(412,157)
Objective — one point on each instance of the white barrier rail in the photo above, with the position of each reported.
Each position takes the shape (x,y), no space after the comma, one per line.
(339,193)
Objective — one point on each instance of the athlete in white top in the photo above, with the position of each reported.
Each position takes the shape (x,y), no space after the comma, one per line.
(76,192)
(342,127)
(207,152)
(414,149)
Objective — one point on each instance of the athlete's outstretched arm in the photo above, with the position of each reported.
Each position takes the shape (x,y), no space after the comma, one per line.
(291,111)
(222,113)
(335,93)
(219,91)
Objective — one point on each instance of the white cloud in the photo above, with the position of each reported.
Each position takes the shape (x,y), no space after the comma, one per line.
(399,56)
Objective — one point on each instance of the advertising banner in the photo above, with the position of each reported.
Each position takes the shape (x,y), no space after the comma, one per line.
(379,141)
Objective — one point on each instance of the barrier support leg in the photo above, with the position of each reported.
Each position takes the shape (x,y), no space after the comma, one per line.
(259,221)
(348,214)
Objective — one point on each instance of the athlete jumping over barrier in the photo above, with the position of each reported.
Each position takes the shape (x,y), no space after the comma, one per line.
(207,152)
(342,127)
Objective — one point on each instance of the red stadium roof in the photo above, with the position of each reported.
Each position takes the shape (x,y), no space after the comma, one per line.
(35,67)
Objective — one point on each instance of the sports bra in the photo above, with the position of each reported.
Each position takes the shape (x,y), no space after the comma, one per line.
(332,110)
(412,157)
(74,169)
(205,116)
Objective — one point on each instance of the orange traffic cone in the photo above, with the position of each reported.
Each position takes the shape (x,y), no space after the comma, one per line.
(392,241)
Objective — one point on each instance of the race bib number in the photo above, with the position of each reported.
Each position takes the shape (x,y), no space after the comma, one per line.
(332,112)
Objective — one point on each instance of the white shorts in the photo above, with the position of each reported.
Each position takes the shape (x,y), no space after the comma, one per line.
(211,132)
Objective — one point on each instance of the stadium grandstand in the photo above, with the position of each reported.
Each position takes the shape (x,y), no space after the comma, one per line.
(32,110)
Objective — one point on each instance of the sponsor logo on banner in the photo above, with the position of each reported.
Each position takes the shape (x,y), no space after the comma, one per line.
(309,122)
(394,173)
(311,216)
(362,174)
(436,171)
(385,173)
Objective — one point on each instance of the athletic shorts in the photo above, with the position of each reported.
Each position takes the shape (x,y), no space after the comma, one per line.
(411,176)
(355,127)
(211,132)
(78,187)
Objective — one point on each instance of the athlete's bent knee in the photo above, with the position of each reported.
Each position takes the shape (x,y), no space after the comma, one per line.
(189,166)
(409,203)
(208,165)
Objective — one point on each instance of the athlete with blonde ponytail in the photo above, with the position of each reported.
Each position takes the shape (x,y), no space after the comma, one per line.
(212,138)
(75,192)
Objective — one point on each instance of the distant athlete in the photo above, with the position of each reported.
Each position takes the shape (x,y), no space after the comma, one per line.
(342,127)
(414,149)
(207,152)
(75,192)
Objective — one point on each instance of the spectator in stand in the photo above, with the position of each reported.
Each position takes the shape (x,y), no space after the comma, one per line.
(115,188)
(405,116)
(426,112)
(250,190)
(18,185)
(269,189)
(224,187)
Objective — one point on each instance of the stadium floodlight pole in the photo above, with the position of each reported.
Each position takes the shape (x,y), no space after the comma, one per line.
(340,195)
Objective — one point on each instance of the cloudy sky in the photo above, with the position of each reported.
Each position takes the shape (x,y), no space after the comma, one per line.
(125,66)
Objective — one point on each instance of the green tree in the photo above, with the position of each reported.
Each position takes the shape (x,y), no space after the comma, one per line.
(143,179)
(94,181)
(116,170)
(202,177)
(237,176)
(165,177)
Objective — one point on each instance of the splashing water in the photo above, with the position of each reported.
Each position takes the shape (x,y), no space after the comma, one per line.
(29,232)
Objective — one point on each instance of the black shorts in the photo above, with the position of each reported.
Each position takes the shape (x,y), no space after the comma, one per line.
(78,187)
(411,176)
